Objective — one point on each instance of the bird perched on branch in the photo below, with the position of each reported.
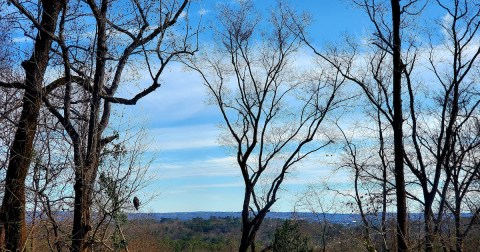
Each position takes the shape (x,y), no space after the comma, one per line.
(136,203)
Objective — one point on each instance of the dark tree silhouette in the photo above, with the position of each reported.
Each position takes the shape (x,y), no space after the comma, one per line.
(94,70)
(272,116)
(91,58)
(21,150)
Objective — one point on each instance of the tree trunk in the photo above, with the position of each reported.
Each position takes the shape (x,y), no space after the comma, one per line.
(398,130)
(458,227)
(21,151)
(246,225)
(2,231)
(86,169)
(428,216)
(384,209)
(250,227)
(458,235)
(85,177)
(81,212)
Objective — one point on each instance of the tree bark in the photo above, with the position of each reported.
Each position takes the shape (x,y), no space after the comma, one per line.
(458,225)
(246,226)
(250,227)
(398,130)
(85,170)
(83,200)
(21,151)
(428,218)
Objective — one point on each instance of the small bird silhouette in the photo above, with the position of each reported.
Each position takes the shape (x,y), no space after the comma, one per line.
(136,203)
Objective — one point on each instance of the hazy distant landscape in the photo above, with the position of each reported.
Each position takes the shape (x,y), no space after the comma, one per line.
(307,216)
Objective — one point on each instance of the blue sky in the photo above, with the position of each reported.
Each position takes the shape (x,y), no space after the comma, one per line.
(192,171)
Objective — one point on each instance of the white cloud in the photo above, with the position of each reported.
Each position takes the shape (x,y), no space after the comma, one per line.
(203,11)
(213,185)
(21,39)
(185,137)
(212,167)
(182,15)
(182,96)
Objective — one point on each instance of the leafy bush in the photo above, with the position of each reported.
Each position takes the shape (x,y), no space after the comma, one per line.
(288,238)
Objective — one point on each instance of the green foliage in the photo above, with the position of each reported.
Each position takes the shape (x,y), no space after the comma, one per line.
(288,238)
(109,186)
(119,242)
(198,244)
(223,234)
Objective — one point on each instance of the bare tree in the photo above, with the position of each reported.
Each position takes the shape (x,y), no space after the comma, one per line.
(144,34)
(45,164)
(9,105)
(367,183)
(435,136)
(89,60)
(48,195)
(319,200)
(395,45)
(13,205)
(388,19)
(123,170)
(272,116)
(453,142)
(9,97)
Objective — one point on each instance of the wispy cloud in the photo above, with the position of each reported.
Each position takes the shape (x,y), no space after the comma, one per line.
(182,96)
(213,185)
(185,137)
(194,168)
(183,14)
(21,39)
(203,11)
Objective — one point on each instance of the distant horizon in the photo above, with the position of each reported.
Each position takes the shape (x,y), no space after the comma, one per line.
(270,212)
(337,218)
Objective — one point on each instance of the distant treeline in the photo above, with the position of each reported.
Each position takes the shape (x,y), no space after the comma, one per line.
(223,233)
